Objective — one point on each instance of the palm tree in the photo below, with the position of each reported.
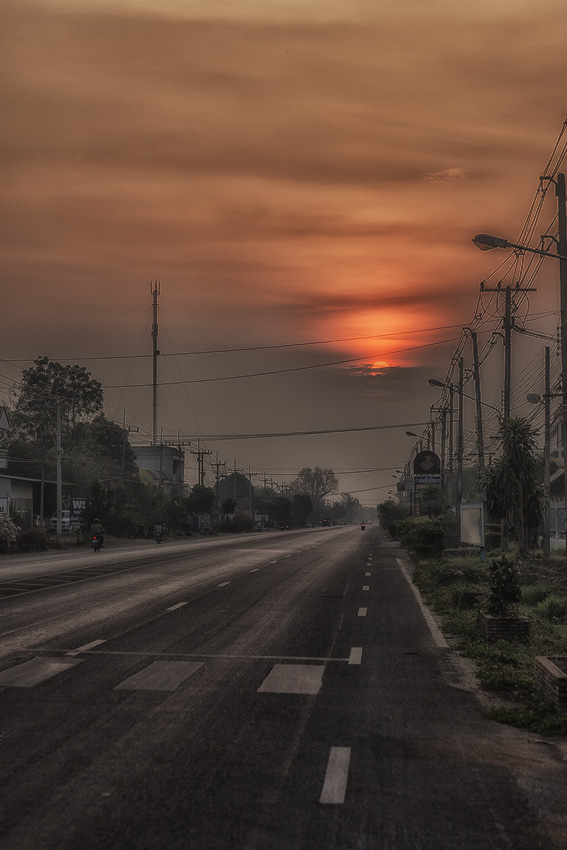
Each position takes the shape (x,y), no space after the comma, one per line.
(513,492)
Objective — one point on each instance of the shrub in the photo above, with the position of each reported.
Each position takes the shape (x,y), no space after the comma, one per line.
(505,588)
(554,608)
(32,540)
(8,533)
(423,537)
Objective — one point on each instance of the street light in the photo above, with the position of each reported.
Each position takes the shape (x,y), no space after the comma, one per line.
(486,242)
(433,382)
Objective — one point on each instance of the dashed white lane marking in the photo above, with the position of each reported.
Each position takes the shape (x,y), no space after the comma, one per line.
(175,607)
(36,670)
(223,584)
(160,676)
(293,679)
(433,627)
(273,562)
(355,656)
(362,612)
(366,587)
(86,647)
(367,574)
(336,776)
(253,571)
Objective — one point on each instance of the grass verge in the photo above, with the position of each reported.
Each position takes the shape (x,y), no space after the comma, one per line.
(457,587)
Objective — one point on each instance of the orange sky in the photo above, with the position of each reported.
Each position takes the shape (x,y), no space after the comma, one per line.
(291,172)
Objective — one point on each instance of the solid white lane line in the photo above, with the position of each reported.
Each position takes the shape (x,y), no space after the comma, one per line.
(175,607)
(355,656)
(367,574)
(293,679)
(34,672)
(433,627)
(253,571)
(366,587)
(336,776)
(160,676)
(223,584)
(362,612)
(86,647)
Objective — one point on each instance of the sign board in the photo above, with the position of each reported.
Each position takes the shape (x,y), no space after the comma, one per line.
(428,479)
(4,505)
(472,524)
(427,463)
(409,485)
(78,505)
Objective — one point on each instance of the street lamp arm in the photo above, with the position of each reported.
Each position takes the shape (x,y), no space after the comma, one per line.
(486,242)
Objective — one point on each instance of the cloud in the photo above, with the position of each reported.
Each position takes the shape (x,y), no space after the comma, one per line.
(449,175)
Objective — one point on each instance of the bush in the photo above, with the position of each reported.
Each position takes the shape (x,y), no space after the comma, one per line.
(32,540)
(8,533)
(505,588)
(422,537)
(553,609)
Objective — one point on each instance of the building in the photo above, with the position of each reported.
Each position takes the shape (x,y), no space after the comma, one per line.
(161,465)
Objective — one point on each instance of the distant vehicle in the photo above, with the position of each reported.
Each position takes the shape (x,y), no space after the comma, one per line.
(96,542)
(65,522)
(326,523)
(343,522)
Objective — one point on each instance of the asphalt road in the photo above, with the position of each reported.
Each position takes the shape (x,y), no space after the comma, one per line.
(265,692)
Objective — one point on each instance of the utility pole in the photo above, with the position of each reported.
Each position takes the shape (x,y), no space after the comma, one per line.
(562,251)
(200,453)
(59,486)
(547,455)
(460,435)
(507,326)
(126,429)
(155,289)
(479,430)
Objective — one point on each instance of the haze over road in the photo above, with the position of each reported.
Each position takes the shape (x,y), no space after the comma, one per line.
(276,690)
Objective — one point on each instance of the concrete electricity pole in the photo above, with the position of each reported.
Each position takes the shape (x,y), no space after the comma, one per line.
(155,288)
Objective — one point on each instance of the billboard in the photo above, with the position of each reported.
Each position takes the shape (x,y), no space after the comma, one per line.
(472,524)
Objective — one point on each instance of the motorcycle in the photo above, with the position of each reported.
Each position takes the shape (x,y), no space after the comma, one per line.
(158,536)
(96,542)
(362,526)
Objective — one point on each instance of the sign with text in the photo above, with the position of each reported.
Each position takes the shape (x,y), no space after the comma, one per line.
(472,524)
(427,463)
(78,505)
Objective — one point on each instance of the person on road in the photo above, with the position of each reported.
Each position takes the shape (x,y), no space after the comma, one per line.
(97,529)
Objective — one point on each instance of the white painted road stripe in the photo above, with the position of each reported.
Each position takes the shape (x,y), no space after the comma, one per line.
(355,655)
(35,671)
(433,627)
(293,679)
(336,777)
(362,612)
(175,607)
(367,574)
(254,571)
(223,584)
(160,676)
(366,587)
(86,647)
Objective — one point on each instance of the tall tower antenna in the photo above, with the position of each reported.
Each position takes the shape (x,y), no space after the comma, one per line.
(155,289)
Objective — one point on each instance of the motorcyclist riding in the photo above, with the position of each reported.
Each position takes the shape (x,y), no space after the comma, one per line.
(98,531)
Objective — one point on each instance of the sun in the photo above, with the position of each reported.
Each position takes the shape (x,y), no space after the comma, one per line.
(380,364)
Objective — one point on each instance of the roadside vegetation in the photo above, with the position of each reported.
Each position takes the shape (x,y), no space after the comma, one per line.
(457,585)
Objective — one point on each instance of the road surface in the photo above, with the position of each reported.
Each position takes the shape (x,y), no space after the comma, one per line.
(273,691)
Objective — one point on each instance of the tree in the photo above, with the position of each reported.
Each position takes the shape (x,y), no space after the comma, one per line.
(47,383)
(201,500)
(301,507)
(316,483)
(512,486)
